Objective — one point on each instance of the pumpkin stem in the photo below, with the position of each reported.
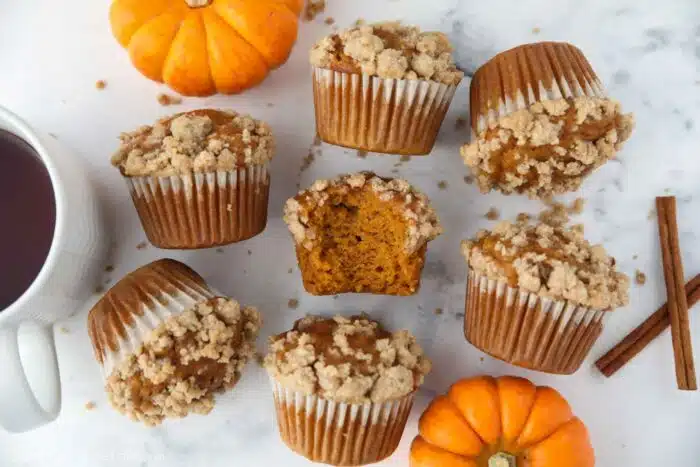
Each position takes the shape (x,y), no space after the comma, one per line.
(502,459)
(197,3)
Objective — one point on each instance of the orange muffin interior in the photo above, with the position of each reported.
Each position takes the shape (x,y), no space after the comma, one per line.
(361,233)
(361,248)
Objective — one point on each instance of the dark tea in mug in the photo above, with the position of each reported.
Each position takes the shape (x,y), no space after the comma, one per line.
(27,216)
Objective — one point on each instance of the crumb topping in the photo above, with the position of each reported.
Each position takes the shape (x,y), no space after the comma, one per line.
(184,361)
(197,141)
(423,223)
(553,261)
(352,360)
(549,147)
(388,50)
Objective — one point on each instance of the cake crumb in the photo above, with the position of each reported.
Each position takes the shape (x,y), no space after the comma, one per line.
(259,359)
(536,30)
(167,100)
(250,252)
(329,21)
(405,159)
(461,123)
(307,161)
(219,250)
(635,256)
(493,214)
(293,303)
(109,268)
(336,297)
(362,154)
(577,206)
(442,184)
(289,271)
(100,84)
(468,179)
(438,311)
(313,9)
(359,22)
(53,135)
(639,277)
(142,246)
(394,171)
(99,289)
(229,207)
(523,217)
(90,405)
(64,330)
(459,315)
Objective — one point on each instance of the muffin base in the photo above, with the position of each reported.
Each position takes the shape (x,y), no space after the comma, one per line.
(527,330)
(338,433)
(202,210)
(379,115)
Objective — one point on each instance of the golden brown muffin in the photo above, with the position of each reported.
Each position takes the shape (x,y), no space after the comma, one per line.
(199,179)
(168,344)
(344,387)
(383,87)
(361,233)
(541,121)
(537,294)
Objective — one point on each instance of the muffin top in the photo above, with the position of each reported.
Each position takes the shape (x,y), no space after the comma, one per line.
(553,261)
(423,223)
(184,361)
(549,147)
(388,50)
(204,140)
(352,360)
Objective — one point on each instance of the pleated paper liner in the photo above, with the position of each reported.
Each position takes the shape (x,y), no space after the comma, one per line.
(339,433)
(530,73)
(528,330)
(131,310)
(202,210)
(374,114)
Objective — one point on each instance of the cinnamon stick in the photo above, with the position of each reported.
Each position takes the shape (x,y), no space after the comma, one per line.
(642,335)
(677,301)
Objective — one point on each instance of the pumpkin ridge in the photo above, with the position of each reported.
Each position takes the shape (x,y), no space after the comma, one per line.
(529,411)
(154,18)
(206,45)
(217,13)
(461,415)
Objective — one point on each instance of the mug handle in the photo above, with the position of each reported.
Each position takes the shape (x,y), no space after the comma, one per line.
(20,409)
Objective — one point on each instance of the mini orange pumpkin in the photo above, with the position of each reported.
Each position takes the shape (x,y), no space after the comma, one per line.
(504,422)
(201,47)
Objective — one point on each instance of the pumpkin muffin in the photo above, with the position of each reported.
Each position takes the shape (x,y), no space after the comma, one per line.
(344,387)
(199,179)
(537,294)
(167,343)
(383,87)
(361,233)
(541,121)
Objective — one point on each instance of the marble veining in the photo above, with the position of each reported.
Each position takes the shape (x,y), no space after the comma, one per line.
(647,55)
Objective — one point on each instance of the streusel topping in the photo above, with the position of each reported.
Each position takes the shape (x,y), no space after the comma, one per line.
(351,360)
(553,261)
(198,141)
(184,361)
(549,147)
(423,223)
(388,50)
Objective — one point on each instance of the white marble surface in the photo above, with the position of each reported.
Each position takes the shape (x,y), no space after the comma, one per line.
(646,52)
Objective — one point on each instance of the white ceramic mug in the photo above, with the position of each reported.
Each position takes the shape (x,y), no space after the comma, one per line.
(65,281)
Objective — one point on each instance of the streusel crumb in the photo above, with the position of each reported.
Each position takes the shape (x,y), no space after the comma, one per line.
(185,361)
(352,360)
(198,141)
(313,9)
(388,50)
(553,261)
(549,147)
(423,224)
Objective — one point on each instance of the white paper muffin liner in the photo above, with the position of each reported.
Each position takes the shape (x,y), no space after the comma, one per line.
(339,433)
(527,330)
(562,73)
(132,315)
(375,114)
(202,210)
